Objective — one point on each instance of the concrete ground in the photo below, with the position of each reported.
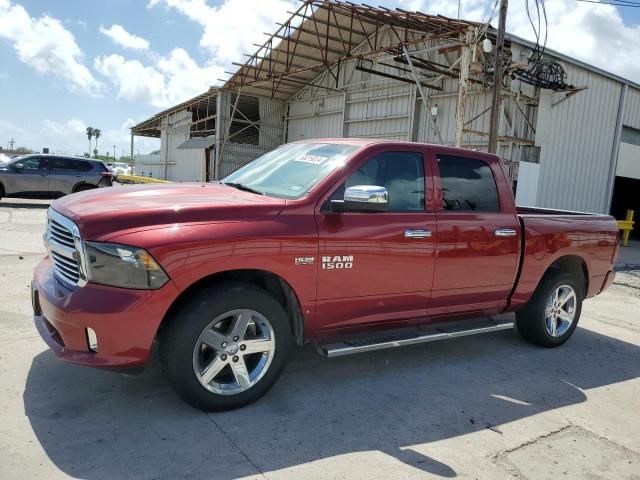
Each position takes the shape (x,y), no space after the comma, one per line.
(485,407)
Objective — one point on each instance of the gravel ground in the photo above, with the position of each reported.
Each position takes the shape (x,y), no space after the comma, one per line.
(485,407)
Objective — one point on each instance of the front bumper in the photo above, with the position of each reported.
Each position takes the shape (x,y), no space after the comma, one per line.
(125,321)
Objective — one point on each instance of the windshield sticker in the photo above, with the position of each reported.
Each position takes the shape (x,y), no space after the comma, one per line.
(296,188)
(314,159)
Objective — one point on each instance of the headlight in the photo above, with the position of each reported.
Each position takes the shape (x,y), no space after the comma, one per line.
(122,266)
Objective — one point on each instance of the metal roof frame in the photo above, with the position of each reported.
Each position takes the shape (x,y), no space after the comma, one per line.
(321,34)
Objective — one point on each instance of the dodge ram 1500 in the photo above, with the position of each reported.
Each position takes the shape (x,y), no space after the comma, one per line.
(355,245)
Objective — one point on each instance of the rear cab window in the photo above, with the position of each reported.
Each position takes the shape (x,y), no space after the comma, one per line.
(468,185)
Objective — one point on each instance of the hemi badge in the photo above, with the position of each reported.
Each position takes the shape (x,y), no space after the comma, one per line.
(304,260)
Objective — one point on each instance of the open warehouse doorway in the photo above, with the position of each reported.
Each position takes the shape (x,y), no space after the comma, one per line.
(626,188)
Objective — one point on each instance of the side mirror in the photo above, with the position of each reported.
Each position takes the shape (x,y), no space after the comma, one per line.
(18,166)
(362,198)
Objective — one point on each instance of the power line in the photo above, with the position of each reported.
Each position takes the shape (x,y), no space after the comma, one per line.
(617,3)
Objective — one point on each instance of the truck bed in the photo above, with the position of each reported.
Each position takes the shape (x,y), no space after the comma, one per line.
(590,240)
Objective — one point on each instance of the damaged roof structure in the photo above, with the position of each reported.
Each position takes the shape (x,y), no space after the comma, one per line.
(340,69)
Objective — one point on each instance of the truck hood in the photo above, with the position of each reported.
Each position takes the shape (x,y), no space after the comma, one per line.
(105,211)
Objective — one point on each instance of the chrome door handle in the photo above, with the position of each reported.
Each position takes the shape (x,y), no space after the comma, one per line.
(410,233)
(505,232)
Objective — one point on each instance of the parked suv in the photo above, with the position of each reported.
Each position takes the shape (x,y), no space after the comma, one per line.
(51,176)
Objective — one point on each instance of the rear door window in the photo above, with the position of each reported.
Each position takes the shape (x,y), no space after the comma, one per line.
(70,165)
(467,185)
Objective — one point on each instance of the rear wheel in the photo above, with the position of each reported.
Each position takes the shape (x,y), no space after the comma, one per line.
(552,314)
(226,347)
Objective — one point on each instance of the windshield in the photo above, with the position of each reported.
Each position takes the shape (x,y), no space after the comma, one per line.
(292,170)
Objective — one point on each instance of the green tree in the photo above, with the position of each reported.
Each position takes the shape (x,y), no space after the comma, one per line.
(96,134)
(89,135)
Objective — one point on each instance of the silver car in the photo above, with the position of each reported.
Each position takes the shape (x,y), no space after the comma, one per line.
(51,176)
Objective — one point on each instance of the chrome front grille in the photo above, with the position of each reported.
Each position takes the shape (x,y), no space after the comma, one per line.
(61,234)
(61,239)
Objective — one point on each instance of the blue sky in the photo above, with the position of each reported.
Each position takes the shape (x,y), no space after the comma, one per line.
(72,63)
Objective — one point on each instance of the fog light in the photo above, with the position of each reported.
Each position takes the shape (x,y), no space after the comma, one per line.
(92,339)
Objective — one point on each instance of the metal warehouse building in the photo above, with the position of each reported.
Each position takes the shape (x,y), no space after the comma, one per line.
(568,132)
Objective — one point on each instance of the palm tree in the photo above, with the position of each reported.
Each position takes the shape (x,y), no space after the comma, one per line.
(90,133)
(96,135)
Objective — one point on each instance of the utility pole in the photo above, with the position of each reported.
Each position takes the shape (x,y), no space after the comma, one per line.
(11,143)
(465,60)
(114,153)
(494,123)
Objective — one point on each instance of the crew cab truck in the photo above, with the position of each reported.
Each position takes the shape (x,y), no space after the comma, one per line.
(352,244)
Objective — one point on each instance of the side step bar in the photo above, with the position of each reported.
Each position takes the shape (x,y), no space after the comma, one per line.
(413,336)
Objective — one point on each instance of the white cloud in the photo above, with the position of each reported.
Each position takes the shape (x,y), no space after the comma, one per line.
(593,33)
(46,46)
(168,81)
(231,29)
(121,37)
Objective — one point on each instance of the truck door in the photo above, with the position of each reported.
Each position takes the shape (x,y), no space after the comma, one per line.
(378,266)
(478,235)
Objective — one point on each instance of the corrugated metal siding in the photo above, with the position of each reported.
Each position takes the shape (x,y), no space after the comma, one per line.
(236,155)
(190,163)
(576,139)
(321,117)
(383,112)
(177,126)
(631,111)
(271,121)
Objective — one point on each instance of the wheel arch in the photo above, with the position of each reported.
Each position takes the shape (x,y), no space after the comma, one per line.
(274,284)
(573,264)
(82,183)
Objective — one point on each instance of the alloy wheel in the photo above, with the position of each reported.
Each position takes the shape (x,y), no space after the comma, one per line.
(560,310)
(234,352)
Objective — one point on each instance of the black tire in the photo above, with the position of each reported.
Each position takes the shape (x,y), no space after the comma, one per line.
(179,338)
(83,188)
(531,322)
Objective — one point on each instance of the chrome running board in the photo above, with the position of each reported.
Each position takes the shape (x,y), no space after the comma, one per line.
(413,336)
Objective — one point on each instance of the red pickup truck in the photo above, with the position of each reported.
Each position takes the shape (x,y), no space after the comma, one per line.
(355,245)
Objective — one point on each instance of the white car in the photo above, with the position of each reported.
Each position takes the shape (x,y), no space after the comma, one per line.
(119,168)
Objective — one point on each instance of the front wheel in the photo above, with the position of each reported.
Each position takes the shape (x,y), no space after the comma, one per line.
(552,314)
(226,347)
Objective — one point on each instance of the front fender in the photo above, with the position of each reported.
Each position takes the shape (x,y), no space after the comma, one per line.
(190,253)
